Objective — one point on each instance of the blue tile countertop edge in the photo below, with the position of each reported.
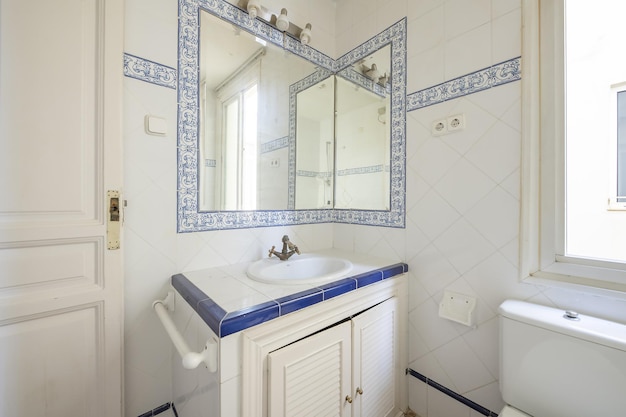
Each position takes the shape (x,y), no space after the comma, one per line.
(224,323)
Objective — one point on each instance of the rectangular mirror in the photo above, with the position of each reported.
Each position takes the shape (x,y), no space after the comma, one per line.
(245,119)
(363,134)
(256,129)
(315,144)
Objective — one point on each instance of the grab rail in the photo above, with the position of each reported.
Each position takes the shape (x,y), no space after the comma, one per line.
(191,360)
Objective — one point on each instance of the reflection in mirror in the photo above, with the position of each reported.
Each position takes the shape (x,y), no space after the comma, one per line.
(315,145)
(363,133)
(363,148)
(206,202)
(245,119)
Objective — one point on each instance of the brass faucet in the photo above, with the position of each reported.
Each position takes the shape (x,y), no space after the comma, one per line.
(288,250)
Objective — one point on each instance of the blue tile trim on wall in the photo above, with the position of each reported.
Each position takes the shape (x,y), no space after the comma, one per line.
(159,410)
(224,324)
(149,71)
(466,401)
(274,145)
(493,76)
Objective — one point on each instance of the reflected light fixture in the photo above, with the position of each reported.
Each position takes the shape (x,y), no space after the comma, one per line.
(254,7)
(305,35)
(373,73)
(282,22)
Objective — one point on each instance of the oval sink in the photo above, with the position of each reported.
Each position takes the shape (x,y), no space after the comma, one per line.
(299,269)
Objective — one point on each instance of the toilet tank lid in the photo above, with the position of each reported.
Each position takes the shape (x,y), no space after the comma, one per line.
(588,328)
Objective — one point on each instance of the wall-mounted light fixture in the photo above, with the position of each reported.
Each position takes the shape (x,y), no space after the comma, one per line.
(254,8)
(372,73)
(281,22)
(305,35)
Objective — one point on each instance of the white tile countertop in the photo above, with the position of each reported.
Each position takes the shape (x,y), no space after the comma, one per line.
(229,301)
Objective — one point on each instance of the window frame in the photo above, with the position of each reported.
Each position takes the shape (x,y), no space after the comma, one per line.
(614,203)
(542,211)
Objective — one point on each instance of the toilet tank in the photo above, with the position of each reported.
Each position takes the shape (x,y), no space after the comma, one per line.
(554,366)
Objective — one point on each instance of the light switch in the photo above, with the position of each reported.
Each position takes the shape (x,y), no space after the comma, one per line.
(155,125)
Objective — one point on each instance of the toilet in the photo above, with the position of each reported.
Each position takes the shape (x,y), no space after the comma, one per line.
(555,363)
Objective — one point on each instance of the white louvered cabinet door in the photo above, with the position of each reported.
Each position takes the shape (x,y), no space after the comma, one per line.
(350,369)
(375,356)
(311,378)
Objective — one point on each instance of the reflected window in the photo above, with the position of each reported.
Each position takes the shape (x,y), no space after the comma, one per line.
(239,147)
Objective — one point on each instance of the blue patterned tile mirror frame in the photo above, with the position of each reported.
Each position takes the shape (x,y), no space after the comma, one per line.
(190,218)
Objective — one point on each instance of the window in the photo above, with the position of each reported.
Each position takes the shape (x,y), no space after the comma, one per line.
(237,109)
(239,150)
(574,143)
(618,175)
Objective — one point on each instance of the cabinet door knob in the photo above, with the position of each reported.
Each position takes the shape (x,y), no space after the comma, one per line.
(349,399)
(359,391)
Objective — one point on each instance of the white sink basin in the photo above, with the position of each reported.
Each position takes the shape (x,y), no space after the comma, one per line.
(299,269)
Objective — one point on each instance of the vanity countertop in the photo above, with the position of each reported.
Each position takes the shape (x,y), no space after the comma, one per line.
(228,301)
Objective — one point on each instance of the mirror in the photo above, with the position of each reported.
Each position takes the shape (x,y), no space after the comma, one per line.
(363,141)
(315,144)
(245,118)
(295,180)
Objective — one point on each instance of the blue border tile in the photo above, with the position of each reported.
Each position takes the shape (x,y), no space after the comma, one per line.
(224,323)
(295,302)
(211,313)
(149,71)
(248,317)
(337,288)
(394,270)
(190,293)
(493,76)
(466,401)
(368,278)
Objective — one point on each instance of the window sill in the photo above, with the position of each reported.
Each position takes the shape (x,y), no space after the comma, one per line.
(583,275)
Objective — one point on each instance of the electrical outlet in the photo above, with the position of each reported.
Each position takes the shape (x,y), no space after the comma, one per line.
(439,127)
(275,163)
(456,122)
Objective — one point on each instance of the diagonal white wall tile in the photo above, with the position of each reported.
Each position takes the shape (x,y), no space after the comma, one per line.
(433,160)
(463,366)
(464,185)
(496,280)
(463,246)
(496,217)
(497,153)
(433,270)
(433,215)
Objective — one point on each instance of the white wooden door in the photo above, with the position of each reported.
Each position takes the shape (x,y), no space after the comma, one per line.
(60,151)
(375,360)
(311,377)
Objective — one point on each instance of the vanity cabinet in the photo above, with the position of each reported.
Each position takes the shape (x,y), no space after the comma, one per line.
(345,370)
(350,342)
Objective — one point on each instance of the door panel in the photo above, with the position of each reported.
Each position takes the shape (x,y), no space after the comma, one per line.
(60,151)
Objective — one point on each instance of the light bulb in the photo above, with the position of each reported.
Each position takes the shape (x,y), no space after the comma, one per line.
(305,35)
(282,22)
(373,73)
(253,8)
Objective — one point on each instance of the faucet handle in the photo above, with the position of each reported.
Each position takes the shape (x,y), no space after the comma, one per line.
(293,247)
(271,252)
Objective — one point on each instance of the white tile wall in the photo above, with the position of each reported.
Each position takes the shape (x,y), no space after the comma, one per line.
(463,202)
(462,198)
(153,249)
